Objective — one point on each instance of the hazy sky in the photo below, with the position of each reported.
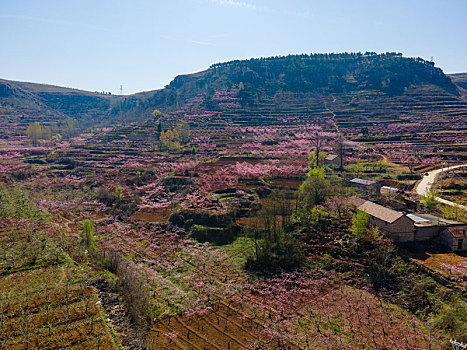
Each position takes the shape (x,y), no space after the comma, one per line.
(144,44)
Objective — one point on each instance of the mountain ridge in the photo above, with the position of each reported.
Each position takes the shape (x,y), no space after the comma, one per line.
(249,84)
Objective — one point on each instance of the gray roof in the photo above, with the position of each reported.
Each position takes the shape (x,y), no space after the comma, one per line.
(363,182)
(420,219)
(416,218)
(378,211)
(394,189)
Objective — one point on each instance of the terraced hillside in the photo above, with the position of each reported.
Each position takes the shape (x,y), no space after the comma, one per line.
(45,300)
(22,103)
(358,89)
(54,317)
(166,217)
(460,79)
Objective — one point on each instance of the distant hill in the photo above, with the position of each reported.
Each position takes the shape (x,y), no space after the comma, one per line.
(239,90)
(390,73)
(25,101)
(266,78)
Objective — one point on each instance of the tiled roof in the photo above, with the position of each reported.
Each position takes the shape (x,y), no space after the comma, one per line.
(458,232)
(380,212)
(357,201)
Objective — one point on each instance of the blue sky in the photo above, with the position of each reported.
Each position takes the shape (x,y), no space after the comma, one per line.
(143,44)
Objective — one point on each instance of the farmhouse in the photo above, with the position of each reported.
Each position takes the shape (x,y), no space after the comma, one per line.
(366,186)
(394,224)
(455,238)
(333,160)
(401,227)
(429,226)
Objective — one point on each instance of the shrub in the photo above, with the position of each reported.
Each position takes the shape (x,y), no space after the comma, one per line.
(186,218)
(360,224)
(429,202)
(278,254)
(105,196)
(452,318)
(120,206)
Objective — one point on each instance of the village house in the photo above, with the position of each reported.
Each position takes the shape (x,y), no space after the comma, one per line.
(455,238)
(400,227)
(368,187)
(333,161)
(394,224)
(429,226)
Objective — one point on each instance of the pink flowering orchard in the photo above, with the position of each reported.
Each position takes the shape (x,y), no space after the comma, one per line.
(266,203)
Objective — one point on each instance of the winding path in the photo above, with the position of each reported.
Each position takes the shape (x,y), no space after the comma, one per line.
(424,186)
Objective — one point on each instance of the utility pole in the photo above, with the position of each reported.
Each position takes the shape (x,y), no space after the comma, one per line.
(121,89)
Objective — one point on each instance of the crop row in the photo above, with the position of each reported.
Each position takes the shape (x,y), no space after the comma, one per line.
(38,301)
(48,317)
(70,334)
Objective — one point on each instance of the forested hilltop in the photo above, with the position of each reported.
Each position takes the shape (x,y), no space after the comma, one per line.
(260,79)
(249,83)
(390,72)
